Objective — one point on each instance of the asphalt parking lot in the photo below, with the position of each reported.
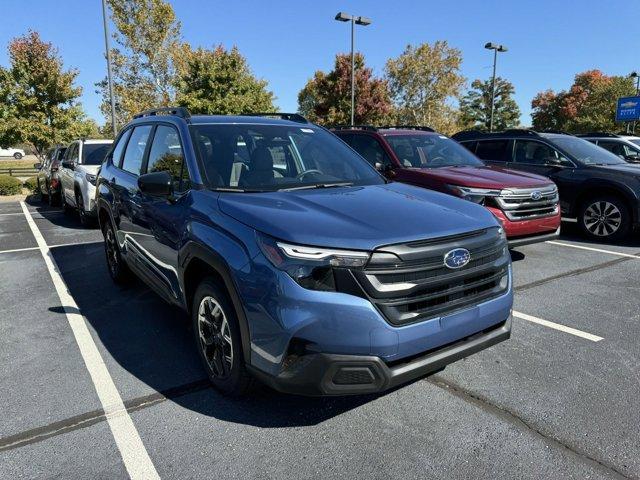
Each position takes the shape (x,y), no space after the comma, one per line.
(560,399)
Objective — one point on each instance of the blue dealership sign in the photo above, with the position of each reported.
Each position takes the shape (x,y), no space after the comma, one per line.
(628,109)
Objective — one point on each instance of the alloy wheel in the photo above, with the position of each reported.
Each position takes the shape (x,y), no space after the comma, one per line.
(215,337)
(602,218)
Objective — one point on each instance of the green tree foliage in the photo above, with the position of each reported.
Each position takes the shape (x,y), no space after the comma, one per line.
(475,106)
(424,80)
(589,105)
(326,98)
(38,100)
(147,36)
(220,81)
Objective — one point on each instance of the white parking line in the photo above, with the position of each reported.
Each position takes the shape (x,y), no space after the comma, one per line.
(557,326)
(5,214)
(591,249)
(134,454)
(50,246)
(20,250)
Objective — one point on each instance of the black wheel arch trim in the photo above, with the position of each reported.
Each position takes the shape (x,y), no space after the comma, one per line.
(194,251)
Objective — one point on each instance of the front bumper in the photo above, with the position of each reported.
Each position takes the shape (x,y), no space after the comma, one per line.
(334,374)
(525,232)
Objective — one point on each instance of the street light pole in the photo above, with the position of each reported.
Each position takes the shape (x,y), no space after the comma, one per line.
(496,48)
(345,17)
(109,80)
(637,77)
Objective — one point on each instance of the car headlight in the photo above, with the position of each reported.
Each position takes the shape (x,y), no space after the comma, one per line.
(91,178)
(310,267)
(476,195)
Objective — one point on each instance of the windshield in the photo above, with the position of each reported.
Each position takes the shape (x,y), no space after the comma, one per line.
(431,151)
(250,157)
(94,153)
(586,152)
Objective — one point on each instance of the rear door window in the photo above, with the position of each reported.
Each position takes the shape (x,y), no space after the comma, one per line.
(495,150)
(534,153)
(134,154)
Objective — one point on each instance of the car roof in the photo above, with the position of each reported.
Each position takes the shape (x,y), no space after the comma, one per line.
(235,119)
(96,140)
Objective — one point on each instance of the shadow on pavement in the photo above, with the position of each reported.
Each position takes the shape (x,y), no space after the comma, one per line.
(571,232)
(153,341)
(56,215)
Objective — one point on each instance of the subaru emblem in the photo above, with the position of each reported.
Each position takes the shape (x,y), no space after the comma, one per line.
(536,195)
(457,258)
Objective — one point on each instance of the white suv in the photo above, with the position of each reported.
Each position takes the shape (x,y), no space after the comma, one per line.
(16,153)
(78,173)
(626,147)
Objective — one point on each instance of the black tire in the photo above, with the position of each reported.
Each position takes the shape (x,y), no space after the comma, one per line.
(85,219)
(43,196)
(52,198)
(116,266)
(63,202)
(17,155)
(231,378)
(604,217)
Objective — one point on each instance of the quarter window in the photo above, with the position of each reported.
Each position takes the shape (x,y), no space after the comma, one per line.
(132,161)
(166,156)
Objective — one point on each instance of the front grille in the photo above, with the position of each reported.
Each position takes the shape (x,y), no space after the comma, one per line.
(410,282)
(519,203)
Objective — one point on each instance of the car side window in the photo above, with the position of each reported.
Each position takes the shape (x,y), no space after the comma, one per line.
(166,156)
(616,148)
(535,153)
(134,153)
(116,155)
(370,148)
(492,150)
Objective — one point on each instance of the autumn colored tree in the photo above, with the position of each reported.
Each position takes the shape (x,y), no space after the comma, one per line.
(326,98)
(475,106)
(220,81)
(147,35)
(589,105)
(38,99)
(424,81)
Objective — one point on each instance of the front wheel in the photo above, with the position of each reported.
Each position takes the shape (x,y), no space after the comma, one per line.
(217,336)
(17,155)
(65,206)
(85,219)
(605,218)
(118,270)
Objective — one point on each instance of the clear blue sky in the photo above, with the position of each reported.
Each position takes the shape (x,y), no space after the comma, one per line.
(286,41)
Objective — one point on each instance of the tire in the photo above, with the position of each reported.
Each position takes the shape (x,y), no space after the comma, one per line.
(217,338)
(53,201)
(116,266)
(17,155)
(65,206)
(85,220)
(43,196)
(605,218)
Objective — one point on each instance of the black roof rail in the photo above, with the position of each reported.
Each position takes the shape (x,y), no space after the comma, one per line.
(408,127)
(382,127)
(561,132)
(598,134)
(353,127)
(177,111)
(292,117)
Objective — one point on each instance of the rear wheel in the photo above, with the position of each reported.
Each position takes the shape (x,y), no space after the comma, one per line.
(17,155)
(51,196)
(63,201)
(118,270)
(85,219)
(605,218)
(217,336)
(43,196)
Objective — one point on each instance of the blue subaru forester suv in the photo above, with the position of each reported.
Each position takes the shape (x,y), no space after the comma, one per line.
(299,264)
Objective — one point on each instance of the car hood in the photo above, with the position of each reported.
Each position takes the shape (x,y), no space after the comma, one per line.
(363,217)
(485,177)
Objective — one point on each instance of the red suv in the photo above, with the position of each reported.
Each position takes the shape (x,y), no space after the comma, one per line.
(526,204)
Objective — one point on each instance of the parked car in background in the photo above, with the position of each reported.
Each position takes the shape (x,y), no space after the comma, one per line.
(78,172)
(299,263)
(16,153)
(48,179)
(525,204)
(626,147)
(597,188)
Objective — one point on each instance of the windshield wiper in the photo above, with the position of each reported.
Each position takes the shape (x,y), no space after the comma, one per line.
(239,190)
(316,185)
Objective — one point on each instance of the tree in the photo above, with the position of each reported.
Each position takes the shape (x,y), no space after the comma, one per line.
(326,98)
(475,106)
(147,36)
(38,99)
(423,82)
(220,81)
(589,105)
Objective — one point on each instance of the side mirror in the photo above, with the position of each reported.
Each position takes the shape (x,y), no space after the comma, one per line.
(382,168)
(159,184)
(37,166)
(68,164)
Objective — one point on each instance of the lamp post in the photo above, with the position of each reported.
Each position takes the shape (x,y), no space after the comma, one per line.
(635,75)
(364,21)
(496,48)
(108,49)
